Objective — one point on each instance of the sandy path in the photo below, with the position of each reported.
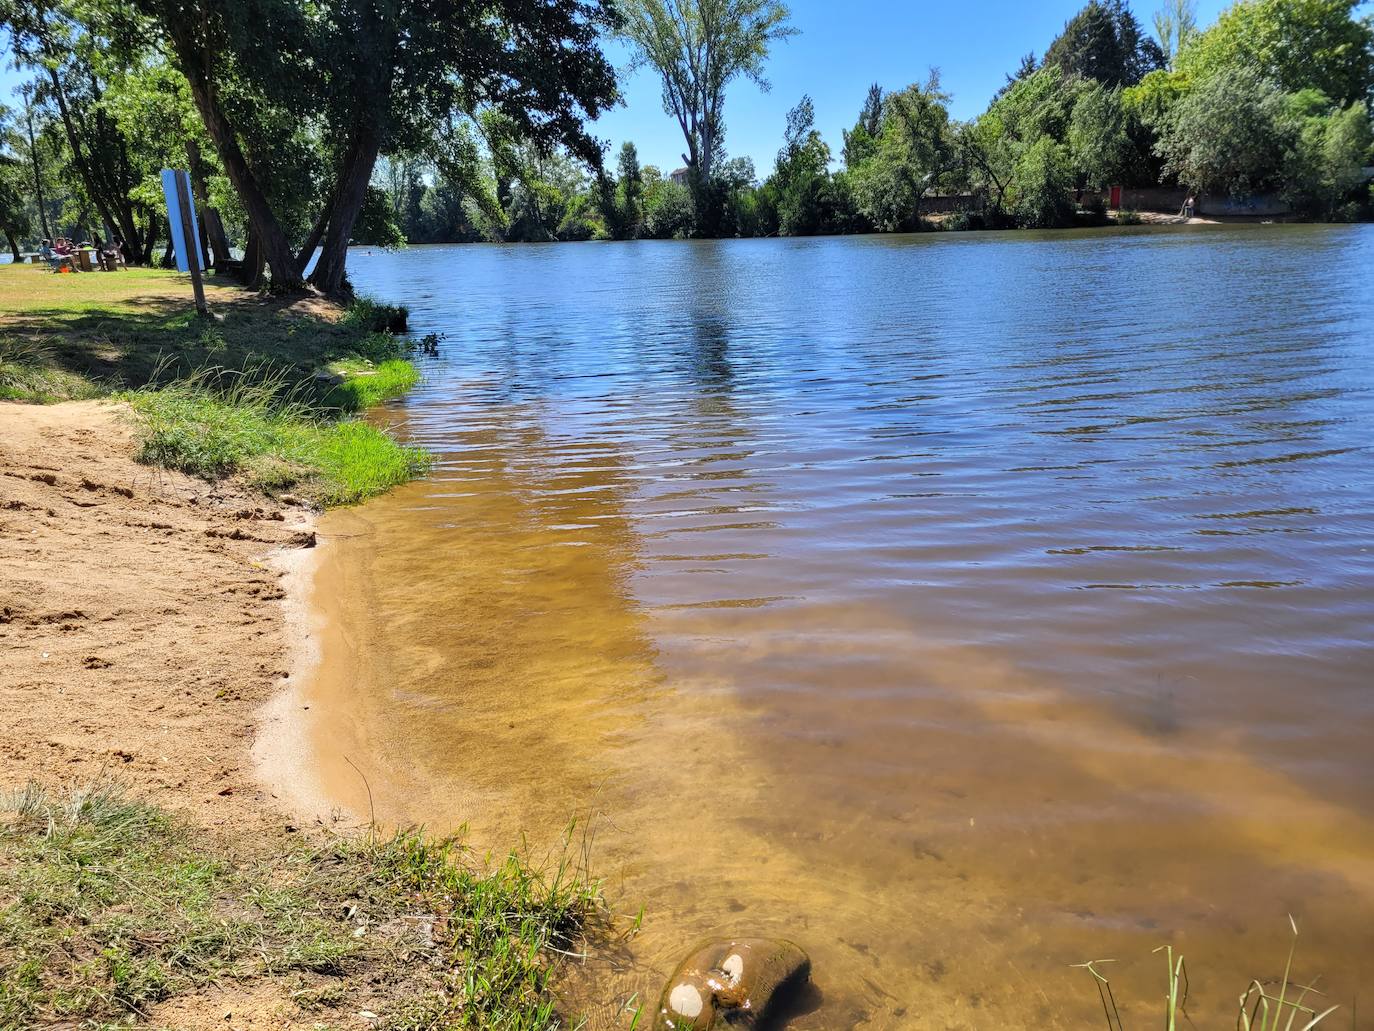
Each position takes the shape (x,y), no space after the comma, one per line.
(141,623)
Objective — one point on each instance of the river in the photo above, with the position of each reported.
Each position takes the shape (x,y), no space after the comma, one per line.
(960,606)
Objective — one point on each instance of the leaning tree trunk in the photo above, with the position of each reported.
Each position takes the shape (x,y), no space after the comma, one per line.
(348,202)
(37,174)
(267,231)
(312,241)
(14,247)
(213,239)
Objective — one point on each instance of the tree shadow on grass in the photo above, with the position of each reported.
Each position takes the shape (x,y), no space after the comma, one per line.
(163,339)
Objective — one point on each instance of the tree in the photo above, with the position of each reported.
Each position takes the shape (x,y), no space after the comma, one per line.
(860,141)
(1099,144)
(1104,41)
(1329,149)
(1024,70)
(1295,43)
(801,177)
(1175,25)
(379,77)
(668,211)
(917,151)
(698,47)
(35,163)
(1228,135)
(1035,107)
(630,198)
(77,48)
(1041,185)
(14,216)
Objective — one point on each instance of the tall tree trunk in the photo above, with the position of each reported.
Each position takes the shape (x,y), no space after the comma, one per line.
(37,172)
(94,188)
(212,235)
(348,202)
(312,241)
(195,63)
(253,263)
(14,247)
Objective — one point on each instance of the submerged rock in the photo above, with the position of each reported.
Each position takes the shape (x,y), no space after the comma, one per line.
(736,983)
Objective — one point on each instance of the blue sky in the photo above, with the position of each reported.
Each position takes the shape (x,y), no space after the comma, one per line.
(842,47)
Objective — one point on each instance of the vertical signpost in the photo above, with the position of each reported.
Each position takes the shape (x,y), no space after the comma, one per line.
(184,231)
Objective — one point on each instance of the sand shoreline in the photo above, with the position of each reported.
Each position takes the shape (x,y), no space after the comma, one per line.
(145,620)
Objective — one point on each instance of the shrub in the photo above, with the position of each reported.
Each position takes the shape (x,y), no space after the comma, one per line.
(377,317)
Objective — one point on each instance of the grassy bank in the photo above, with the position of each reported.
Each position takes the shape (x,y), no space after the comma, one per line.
(110,907)
(264,390)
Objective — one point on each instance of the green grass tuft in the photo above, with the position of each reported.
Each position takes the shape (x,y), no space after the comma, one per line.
(365,384)
(28,373)
(220,423)
(108,906)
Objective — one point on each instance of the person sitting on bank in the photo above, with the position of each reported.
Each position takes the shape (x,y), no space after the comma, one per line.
(1189,206)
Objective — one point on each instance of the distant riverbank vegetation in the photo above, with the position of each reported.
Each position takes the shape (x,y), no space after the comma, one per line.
(310,126)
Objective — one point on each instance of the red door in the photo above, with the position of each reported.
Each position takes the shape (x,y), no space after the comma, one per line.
(1116,198)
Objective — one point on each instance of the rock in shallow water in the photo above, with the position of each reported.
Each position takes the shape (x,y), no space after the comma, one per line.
(740,982)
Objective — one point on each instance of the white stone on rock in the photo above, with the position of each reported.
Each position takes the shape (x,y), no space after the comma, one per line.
(685,999)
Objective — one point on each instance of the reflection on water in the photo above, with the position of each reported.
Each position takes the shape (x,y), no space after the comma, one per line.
(961,607)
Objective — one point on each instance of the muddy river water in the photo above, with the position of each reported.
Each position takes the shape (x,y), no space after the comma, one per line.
(962,607)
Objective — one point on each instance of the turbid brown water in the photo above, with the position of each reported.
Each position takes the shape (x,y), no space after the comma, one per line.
(960,607)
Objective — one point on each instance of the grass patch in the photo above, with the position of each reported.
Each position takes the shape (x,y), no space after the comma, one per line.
(221,423)
(262,390)
(363,384)
(109,906)
(28,373)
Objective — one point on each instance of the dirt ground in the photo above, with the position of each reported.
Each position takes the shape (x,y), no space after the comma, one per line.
(141,627)
(140,621)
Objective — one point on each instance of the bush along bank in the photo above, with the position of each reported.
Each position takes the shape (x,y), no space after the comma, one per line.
(267,390)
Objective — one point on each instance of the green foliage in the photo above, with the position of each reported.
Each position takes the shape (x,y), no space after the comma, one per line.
(1041,186)
(917,152)
(1152,100)
(1324,165)
(378,224)
(1099,145)
(1296,44)
(1175,24)
(364,383)
(630,196)
(697,48)
(669,212)
(861,141)
(805,201)
(1104,42)
(215,424)
(372,316)
(1228,135)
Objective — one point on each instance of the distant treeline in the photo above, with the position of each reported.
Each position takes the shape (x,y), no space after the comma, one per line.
(310,124)
(1271,100)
